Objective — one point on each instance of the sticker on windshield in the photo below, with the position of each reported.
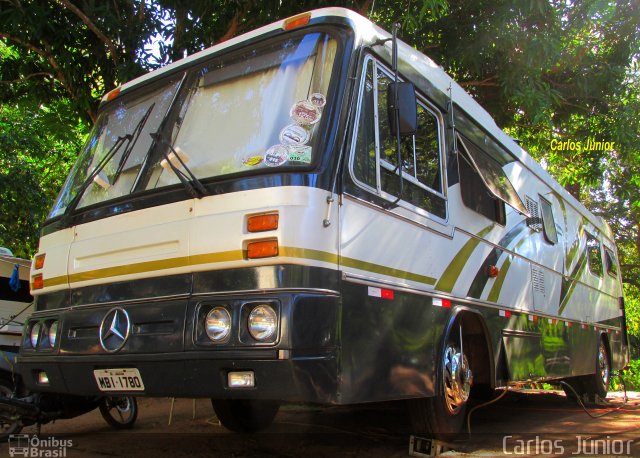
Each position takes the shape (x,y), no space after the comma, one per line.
(305,113)
(300,154)
(318,99)
(294,134)
(276,156)
(252,161)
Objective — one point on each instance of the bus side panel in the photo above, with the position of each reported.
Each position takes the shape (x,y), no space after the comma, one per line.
(389,345)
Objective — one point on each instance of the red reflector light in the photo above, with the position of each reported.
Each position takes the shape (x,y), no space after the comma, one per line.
(493,271)
(37,282)
(387,294)
(445,303)
(262,249)
(38,262)
(261,223)
(296,21)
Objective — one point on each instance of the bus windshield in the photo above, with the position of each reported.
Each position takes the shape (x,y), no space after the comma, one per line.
(251,111)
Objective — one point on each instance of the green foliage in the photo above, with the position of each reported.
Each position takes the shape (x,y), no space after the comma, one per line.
(37,146)
(631,378)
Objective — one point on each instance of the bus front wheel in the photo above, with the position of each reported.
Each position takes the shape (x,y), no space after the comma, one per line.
(442,415)
(245,415)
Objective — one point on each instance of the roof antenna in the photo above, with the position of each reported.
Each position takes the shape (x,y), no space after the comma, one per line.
(373,5)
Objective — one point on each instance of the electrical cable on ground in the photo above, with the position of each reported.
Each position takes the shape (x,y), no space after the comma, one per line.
(488,403)
(625,399)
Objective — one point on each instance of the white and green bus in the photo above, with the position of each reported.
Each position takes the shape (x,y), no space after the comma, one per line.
(289,216)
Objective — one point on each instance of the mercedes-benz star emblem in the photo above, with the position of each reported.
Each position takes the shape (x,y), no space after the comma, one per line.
(114,329)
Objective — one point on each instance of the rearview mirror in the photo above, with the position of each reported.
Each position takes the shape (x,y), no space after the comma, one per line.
(408,115)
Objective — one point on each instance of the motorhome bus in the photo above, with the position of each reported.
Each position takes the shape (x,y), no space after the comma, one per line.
(245,225)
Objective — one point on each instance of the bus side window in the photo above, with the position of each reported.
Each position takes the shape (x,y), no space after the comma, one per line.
(364,158)
(611,264)
(475,194)
(484,184)
(594,255)
(548,222)
(420,153)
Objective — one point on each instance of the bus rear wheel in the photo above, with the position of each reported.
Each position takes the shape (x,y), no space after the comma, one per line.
(597,384)
(594,385)
(442,415)
(245,415)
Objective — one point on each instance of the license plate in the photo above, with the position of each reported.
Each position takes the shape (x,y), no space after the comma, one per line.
(118,379)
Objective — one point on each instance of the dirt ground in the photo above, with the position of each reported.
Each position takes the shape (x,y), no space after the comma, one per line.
(523,423)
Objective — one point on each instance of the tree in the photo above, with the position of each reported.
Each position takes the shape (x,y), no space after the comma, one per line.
(37,146)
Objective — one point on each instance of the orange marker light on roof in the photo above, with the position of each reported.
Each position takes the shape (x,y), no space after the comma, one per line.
(38,262)
(109,96)
(296,21)
(262,249)
(261,223)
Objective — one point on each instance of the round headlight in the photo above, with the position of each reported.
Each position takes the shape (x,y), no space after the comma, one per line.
(263,322)
(53,333)
(34,335)
(218,324)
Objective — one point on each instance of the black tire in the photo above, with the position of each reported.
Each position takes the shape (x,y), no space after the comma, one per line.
(482,392)
(593,386)
(575,386)
(245,415)
(120,412)
(597,384)
(442,416)
(8,428)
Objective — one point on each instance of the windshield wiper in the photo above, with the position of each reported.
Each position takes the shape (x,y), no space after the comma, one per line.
(190,182)
(130,139)
(135,134)
(101,165)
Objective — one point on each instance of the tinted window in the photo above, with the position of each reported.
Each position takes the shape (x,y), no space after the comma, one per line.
(611,262)
(492,174)
(548,222)
(595,255)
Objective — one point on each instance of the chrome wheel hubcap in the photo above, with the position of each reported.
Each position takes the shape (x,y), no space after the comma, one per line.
(457,379)
(603,365)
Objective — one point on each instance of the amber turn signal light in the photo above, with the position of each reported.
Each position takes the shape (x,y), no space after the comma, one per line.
(37,282)
(38,262)
(261,223)
(262,249)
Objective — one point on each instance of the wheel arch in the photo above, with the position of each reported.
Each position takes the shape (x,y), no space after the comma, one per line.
(475,330)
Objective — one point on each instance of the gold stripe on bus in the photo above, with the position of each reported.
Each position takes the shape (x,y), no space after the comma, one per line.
(324,256)
(236,255)
(147,266)
(55,281)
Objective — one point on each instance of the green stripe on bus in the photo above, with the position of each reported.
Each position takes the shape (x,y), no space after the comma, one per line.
(323,256)
(494,294)
(450,275)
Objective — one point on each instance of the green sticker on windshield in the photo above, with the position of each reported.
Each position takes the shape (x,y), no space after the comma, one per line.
(299,154)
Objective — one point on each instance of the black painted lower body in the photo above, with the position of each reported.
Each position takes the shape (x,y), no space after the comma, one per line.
(193,376)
